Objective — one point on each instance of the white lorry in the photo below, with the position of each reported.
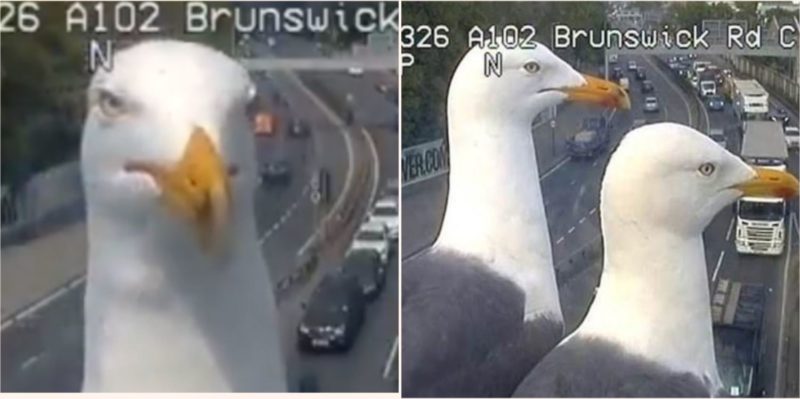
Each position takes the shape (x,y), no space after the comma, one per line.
(760,227)
(750,100)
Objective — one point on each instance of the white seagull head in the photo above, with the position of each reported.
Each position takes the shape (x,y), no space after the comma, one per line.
(167,128)
(673,176)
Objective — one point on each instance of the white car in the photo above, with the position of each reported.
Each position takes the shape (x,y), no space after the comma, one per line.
(373,235)
(792,134)
(632,65)
(385,211)
(355,71)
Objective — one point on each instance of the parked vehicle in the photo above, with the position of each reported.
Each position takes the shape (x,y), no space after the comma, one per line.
(631,65)
(625,83)
(616,74)
(613,58)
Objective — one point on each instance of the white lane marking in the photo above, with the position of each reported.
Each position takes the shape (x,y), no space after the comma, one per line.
(594,163)
(387,367)
(778,368)
(571,229)
(719,264)
(583,219)
(560,240)
(29,362)
(36,306)
(730,230)
(672,85)
(572,183)
(593,211)
(555,168)
(348,140)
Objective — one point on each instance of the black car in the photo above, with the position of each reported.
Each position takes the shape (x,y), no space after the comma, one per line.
(616,74)
(277,173)
(647,86)
(299,128)
(641,74)
(366,266)
(779,115)
(334,314)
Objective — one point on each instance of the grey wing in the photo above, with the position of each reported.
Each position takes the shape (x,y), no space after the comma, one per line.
(597,368)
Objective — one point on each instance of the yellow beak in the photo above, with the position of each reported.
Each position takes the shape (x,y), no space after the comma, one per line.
(196,188)
(770,183)
(599,92)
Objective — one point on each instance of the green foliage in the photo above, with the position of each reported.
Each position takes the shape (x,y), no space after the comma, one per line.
(425,83)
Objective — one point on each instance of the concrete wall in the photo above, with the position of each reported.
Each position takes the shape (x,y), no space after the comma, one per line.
(777,83)
(50,198)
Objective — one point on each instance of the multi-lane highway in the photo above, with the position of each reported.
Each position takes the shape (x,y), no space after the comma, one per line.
(571,195)
(43,344)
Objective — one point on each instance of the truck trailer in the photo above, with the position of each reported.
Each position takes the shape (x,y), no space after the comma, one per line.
(760,227)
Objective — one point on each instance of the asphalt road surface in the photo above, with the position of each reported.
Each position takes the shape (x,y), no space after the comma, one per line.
(571,194)
(43,347)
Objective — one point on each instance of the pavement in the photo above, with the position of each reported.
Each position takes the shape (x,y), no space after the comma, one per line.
(570,191)
(43,341)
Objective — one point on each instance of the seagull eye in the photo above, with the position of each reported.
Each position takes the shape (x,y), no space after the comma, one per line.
(110,104)
(707,169)
(531,67)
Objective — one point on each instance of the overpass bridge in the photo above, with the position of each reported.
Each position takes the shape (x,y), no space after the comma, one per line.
(367,63)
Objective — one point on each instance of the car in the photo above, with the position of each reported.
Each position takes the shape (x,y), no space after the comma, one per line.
(625,83)
(613,58)
(356,71)
(373,235)
(715,102)
(718,135)
(385,211)
(392,187)
(674,65)
(694,81)
(792,135)
(264,124)
(779,115)
(650,104)
(692,56)
(334,314)
(631,65)
(299,128)
(366,266)
(616,74)
(276,173)
(647,86)
(641,74)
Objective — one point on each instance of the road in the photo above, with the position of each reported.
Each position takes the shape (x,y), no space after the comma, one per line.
(570,191)
(43,347)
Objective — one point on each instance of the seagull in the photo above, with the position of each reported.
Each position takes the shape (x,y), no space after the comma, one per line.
(481,306)
(648,331)
(178,297)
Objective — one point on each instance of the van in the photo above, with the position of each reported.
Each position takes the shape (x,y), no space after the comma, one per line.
(625,83)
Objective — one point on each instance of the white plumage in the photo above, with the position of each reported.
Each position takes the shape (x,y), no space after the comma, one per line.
(178,296)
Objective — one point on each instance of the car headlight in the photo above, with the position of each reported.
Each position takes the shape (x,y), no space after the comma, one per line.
(339,330)
(304,329)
